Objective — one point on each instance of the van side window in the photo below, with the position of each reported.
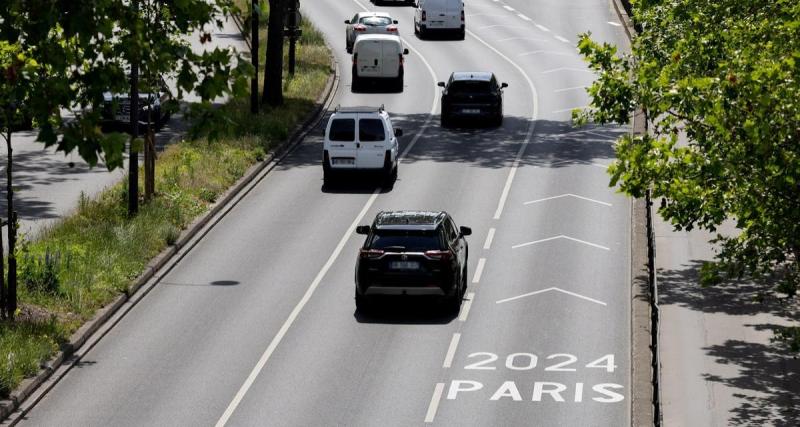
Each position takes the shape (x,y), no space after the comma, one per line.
(371,130)
(343,130)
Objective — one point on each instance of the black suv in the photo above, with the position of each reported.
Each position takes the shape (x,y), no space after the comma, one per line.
(152,105)
(469,95)
(412,253)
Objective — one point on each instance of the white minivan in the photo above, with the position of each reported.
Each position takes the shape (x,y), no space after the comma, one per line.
(439,15)
(360,139)
(378,57)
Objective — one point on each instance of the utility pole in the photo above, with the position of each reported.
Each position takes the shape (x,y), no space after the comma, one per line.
(293,30)
(254,12)
(133,155)
(11,294)
(273,67)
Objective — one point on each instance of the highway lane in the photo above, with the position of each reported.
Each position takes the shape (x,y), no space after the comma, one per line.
(181,356)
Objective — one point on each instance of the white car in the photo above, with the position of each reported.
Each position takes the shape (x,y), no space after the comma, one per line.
(439,15)
(364,23)
(380,58)
(360,138)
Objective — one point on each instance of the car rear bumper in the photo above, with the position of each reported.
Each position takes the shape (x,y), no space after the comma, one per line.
(402,290)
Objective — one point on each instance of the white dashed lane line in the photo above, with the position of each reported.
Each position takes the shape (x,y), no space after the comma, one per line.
(465,308)
(451,350)
(569,88)
(561,39)
(489,238)
(479,271)
(616,24)
(434,405)
(524,17)
(508,8)
(543,28)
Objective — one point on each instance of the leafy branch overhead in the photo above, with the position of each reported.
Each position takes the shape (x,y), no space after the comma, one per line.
(719,82)
(84,49)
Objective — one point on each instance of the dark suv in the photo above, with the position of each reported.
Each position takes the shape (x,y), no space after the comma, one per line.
(470,95)
(412,253)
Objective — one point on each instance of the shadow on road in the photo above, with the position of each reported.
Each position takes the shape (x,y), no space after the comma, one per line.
(406,311)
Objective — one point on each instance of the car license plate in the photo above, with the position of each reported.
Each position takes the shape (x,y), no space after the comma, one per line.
(471,111)
(404,265)
(343,161)
(123,117)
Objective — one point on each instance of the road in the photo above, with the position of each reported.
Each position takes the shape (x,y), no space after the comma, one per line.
(257,324)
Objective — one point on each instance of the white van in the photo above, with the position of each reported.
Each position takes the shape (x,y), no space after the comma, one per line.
(379,57)
(360,138)
(439,15)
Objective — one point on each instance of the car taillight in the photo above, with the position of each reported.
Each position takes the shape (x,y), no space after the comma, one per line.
(392,28)
(462,16)
(401,59)
(371,253)
(360,28)
(424,15)
(439,255)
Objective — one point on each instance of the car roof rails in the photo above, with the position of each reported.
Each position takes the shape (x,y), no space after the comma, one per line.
(364,109)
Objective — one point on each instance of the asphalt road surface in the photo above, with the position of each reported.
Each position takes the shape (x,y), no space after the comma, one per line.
(257,325)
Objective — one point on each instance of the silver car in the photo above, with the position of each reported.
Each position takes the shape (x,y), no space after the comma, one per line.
(368,23)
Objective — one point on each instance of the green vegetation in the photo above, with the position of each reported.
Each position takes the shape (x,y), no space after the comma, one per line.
(723,73)
(85,261)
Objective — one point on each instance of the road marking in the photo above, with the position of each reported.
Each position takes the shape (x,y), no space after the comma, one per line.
(569,88)
(556,70)
(548,290)
(531,126)
(561,237)
(543,28)
(451,351)
(549,52)
(567,195)
(489,238)
(479,270)
(467,305)
(508,8)
(524,17)
(561,39)
(583,162)
(503,26)
(616,24)
(276,340)
(434,405)
(521,38)
(569,109)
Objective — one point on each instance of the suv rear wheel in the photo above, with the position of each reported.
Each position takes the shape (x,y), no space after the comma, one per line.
(362,303)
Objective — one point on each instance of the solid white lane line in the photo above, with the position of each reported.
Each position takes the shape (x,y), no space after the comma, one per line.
(524,17)
(567,195)
(465,308)
(548,52)
(543,28)
(548,290)
(561,39)
(569,88)
(479,270)
(508,8)
(594,245)
(556,70)
(295,312)
(451,351)
(489,237)
(276,340)
(531,126)
(434,405)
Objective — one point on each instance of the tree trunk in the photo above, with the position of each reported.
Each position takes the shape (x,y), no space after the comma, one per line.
(254,42)
(11,296)
(133,159)
(273,72)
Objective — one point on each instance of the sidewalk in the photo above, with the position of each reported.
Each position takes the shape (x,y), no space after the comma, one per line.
(48,189)
(718,366)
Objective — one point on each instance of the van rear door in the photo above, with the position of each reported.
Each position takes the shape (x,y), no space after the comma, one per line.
(453,12)
(391,51)
(369,58)
(372,142)
(342,147)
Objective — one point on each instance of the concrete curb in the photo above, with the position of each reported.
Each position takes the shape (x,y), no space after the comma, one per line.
(196,229)
(643,410)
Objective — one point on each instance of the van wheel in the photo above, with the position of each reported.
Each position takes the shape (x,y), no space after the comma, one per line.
(422,33)
(398,83)
(462,34)
(356,85)
(328,178)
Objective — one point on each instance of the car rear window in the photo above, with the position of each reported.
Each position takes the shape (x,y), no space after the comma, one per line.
(470,86)
(406,240)
(343,130)
(376,21)
(371,130)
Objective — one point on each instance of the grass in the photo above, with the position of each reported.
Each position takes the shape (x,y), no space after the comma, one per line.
(86,260)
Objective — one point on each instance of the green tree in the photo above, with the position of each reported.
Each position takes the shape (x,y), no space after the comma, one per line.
(726,74)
